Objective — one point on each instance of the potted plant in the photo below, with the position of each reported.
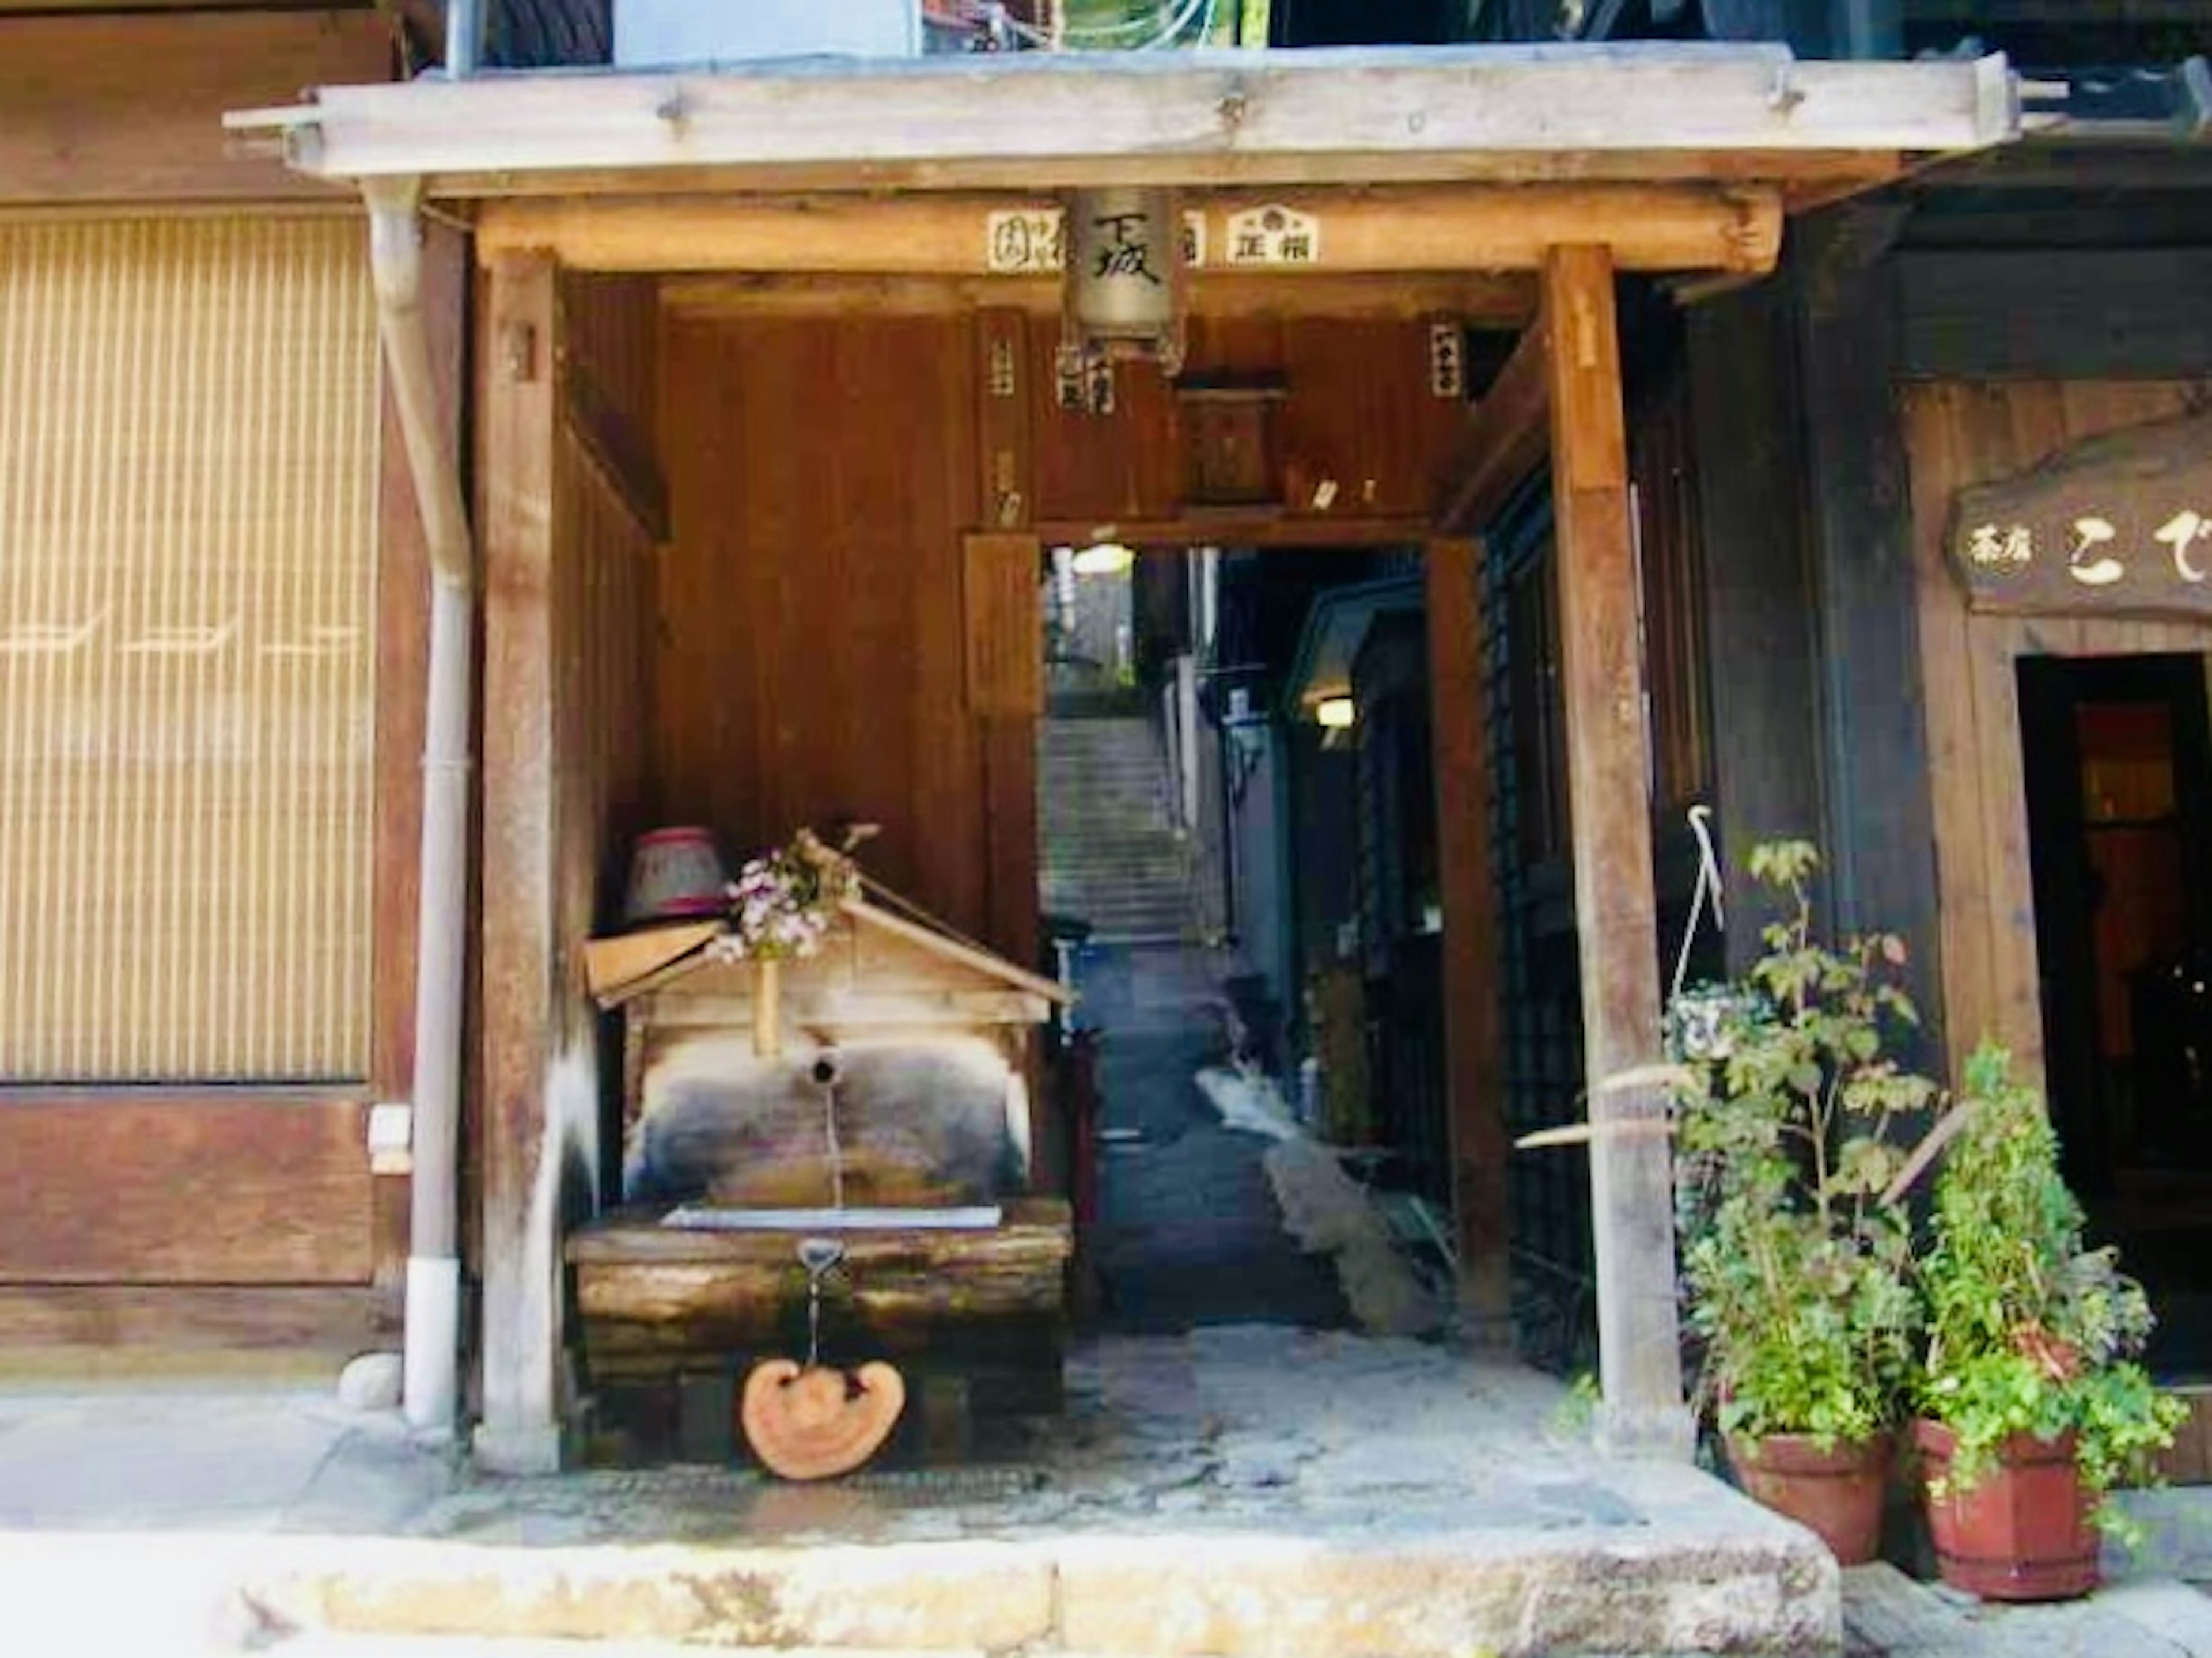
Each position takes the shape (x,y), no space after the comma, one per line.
(1796,1254)
(2031,1404)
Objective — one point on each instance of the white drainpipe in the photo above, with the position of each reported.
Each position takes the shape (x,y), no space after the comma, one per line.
(431,1391)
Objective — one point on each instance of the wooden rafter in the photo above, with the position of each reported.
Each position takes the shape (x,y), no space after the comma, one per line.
(1040,121)
(1507,434)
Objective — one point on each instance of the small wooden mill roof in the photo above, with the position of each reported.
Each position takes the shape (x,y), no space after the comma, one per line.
(622,968)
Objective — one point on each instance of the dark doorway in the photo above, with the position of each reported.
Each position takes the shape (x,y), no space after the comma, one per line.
(2118,775)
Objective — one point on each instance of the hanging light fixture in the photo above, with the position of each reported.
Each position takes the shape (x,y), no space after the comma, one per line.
(1335,714)
(1103,558)
(1124,277)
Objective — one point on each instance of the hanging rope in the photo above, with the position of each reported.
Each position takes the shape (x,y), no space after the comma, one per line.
(1708,889)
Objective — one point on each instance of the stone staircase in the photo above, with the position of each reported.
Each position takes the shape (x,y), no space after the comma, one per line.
(1111,857)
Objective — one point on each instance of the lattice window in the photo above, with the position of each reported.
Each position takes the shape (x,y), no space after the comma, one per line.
(188,441)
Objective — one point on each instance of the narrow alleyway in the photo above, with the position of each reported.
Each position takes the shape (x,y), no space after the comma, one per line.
(1189,1232)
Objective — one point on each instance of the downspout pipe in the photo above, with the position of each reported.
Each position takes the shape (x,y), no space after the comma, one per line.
(430,1383)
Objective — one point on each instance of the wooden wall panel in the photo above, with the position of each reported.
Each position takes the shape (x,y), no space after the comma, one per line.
(1357,413)
(1959,433)
(115,109)
(1360,414)
(812,656)
(1102,468)
(191,1188)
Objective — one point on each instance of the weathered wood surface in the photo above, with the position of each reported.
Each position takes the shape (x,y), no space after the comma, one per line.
(192,1186)
(523,706)
(1401,231)
(656,1300)
(1503,440)
(339,1319)
(1763,681)
(129,109)
(1316,116)
(1473,1041)
(921,1119)
(1002,579)
(2119,524)
(1608,778)
(1878,831)
(2054,313)
(813,654)
(816,1421)
(1505,298)
(1959,435)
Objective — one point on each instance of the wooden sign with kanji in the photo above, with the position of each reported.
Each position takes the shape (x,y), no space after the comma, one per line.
(2121,525)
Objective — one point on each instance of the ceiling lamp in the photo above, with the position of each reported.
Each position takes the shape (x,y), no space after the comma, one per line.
(1124,276)
(1335,714)
(1103,558)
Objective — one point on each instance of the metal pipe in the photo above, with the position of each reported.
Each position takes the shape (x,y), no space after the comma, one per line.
(432,1356)
(464,31)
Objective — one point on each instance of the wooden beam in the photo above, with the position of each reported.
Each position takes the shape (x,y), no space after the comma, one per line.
(1609,796)
(619,449)
(1500,298)
(521,1340)
(1257,528)
(1795,171)
(1033,121)
(1474,1078)
(279,1192)
(112,109)
(1677,227)
(1506,438)
(331,1322)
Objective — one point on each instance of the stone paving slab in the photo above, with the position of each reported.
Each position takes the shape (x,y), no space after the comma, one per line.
(1888,1615)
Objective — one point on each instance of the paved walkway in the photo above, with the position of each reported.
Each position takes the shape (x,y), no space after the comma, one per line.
(1189,1232)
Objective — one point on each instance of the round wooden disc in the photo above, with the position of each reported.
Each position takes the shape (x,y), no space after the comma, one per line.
(814,1422)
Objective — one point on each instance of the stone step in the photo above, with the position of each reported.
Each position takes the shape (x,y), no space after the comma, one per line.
(1170,1593)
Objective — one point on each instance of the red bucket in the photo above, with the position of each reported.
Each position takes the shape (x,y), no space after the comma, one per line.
(675,873)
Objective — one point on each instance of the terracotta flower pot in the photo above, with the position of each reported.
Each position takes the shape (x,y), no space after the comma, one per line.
(1837,1493)
(2021,1532)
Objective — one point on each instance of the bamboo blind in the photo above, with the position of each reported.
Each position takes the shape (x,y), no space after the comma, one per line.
(188,432)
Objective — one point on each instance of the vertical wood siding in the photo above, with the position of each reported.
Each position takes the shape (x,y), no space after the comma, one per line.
(813,654)
(188,448)
(1959,433)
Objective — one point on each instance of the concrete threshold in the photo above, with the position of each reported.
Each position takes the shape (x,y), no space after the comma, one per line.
(1241,1493)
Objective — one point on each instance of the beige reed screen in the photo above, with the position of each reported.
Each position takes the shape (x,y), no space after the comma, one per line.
(188,430)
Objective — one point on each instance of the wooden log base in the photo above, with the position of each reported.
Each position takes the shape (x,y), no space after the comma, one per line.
(816,1421)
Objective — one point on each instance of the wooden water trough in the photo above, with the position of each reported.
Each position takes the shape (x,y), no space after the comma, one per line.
(876,1097)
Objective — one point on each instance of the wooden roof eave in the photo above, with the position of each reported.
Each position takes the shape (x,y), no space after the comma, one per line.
(1036,122)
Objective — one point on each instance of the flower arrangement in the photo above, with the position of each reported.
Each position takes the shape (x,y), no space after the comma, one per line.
(783,903)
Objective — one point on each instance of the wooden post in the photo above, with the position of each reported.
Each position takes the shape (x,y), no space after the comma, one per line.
(521,1351)
(1474,1088)
(1609,796)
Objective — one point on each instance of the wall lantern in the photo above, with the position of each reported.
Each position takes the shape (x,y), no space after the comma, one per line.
(1335,714)
(1124,277)
(1103,558)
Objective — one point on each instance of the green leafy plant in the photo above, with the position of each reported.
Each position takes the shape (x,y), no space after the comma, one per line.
(1796,1261)
(2031,1332)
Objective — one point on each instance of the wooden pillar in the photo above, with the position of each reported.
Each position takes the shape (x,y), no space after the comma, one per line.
(1609,798)
(1474,1083)
(521,1337)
